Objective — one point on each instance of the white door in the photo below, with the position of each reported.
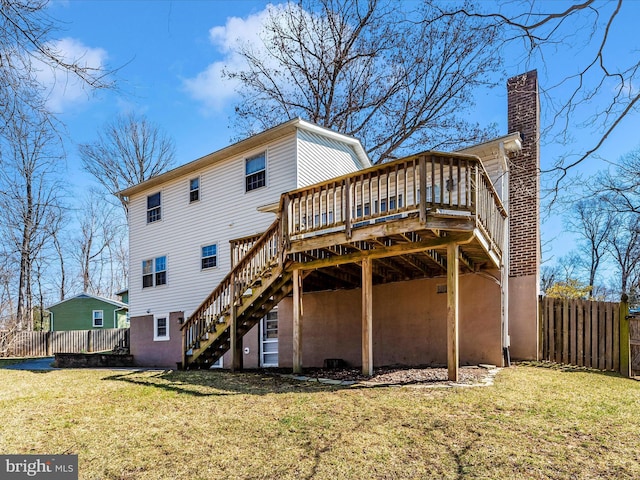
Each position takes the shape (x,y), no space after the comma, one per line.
(269,339)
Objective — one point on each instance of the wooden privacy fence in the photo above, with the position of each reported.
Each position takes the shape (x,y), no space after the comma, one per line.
(580,332)
(42,344)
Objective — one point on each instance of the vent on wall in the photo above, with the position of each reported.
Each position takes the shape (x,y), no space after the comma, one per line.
(441,288)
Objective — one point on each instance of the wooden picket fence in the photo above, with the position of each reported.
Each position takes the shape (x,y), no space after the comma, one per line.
(580,332)
(43,344)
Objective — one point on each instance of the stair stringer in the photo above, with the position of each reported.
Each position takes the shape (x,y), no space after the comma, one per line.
(216,342)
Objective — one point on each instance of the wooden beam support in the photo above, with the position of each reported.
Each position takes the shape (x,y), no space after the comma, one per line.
(400,249)
(453,354)
(373,231)
(297,321)
(367,316)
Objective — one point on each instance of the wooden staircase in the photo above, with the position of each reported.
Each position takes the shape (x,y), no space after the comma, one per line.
(377,213)
(251,289)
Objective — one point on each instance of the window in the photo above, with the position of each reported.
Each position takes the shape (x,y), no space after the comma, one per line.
(194,190)
(392,204)
(255,172)
(98,318)
(153,208)
(367,210)
(161,328)
(209,256)
(154,272)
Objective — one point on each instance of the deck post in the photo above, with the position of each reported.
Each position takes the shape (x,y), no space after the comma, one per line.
(367,316)
(453,353)
(235,342)
(297,321)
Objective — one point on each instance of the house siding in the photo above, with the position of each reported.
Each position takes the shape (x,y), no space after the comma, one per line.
(321,158)
(223,212)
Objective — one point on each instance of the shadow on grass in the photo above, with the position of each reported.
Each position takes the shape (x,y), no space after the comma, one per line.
(563,367)
(204,383)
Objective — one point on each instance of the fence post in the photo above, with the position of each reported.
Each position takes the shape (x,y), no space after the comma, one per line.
(89,341)
(625,347)
(48,346)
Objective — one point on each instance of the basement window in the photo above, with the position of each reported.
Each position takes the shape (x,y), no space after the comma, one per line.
(160,328)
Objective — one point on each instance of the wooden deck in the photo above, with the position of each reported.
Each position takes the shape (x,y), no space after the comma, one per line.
(397,221)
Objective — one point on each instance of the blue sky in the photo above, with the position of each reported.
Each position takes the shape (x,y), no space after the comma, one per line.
(168,56)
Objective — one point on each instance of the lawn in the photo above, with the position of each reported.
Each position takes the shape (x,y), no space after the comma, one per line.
(532,423)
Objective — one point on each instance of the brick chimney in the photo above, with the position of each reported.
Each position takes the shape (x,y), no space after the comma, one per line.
(524,216)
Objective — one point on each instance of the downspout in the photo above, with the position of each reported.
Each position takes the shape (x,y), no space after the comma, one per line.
(504,269)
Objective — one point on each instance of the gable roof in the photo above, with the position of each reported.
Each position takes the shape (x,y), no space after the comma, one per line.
(254,141)
(94,297)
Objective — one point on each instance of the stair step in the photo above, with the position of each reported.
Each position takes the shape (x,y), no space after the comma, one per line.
(265,293)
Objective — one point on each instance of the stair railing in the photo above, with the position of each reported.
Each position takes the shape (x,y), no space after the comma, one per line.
(262,256)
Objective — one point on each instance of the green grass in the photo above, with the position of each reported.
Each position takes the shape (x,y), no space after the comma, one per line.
(533,423)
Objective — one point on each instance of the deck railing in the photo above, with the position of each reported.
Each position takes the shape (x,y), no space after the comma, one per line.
(453,185)
(263,255)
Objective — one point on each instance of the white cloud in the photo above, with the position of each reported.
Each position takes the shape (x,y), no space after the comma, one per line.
(62,88)
(209,86)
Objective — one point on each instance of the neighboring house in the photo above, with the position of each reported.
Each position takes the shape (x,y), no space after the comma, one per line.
(289,249)
(87,312)
(123,295)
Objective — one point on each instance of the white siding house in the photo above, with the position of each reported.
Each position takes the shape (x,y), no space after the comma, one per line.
(374,253)
(181,222)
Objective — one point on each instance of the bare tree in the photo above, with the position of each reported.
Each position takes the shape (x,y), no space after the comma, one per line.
(61,258)
(624,245)
(26,34)
(128,151)
(30,198)
(594,223)
(98,229)
(596,91)
(396,80)
(622,186)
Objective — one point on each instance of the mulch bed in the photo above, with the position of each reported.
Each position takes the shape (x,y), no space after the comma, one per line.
(399,375)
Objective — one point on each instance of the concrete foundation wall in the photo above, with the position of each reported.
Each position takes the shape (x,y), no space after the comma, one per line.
(409,327)
(523,317)
(149,353)
(409,324)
